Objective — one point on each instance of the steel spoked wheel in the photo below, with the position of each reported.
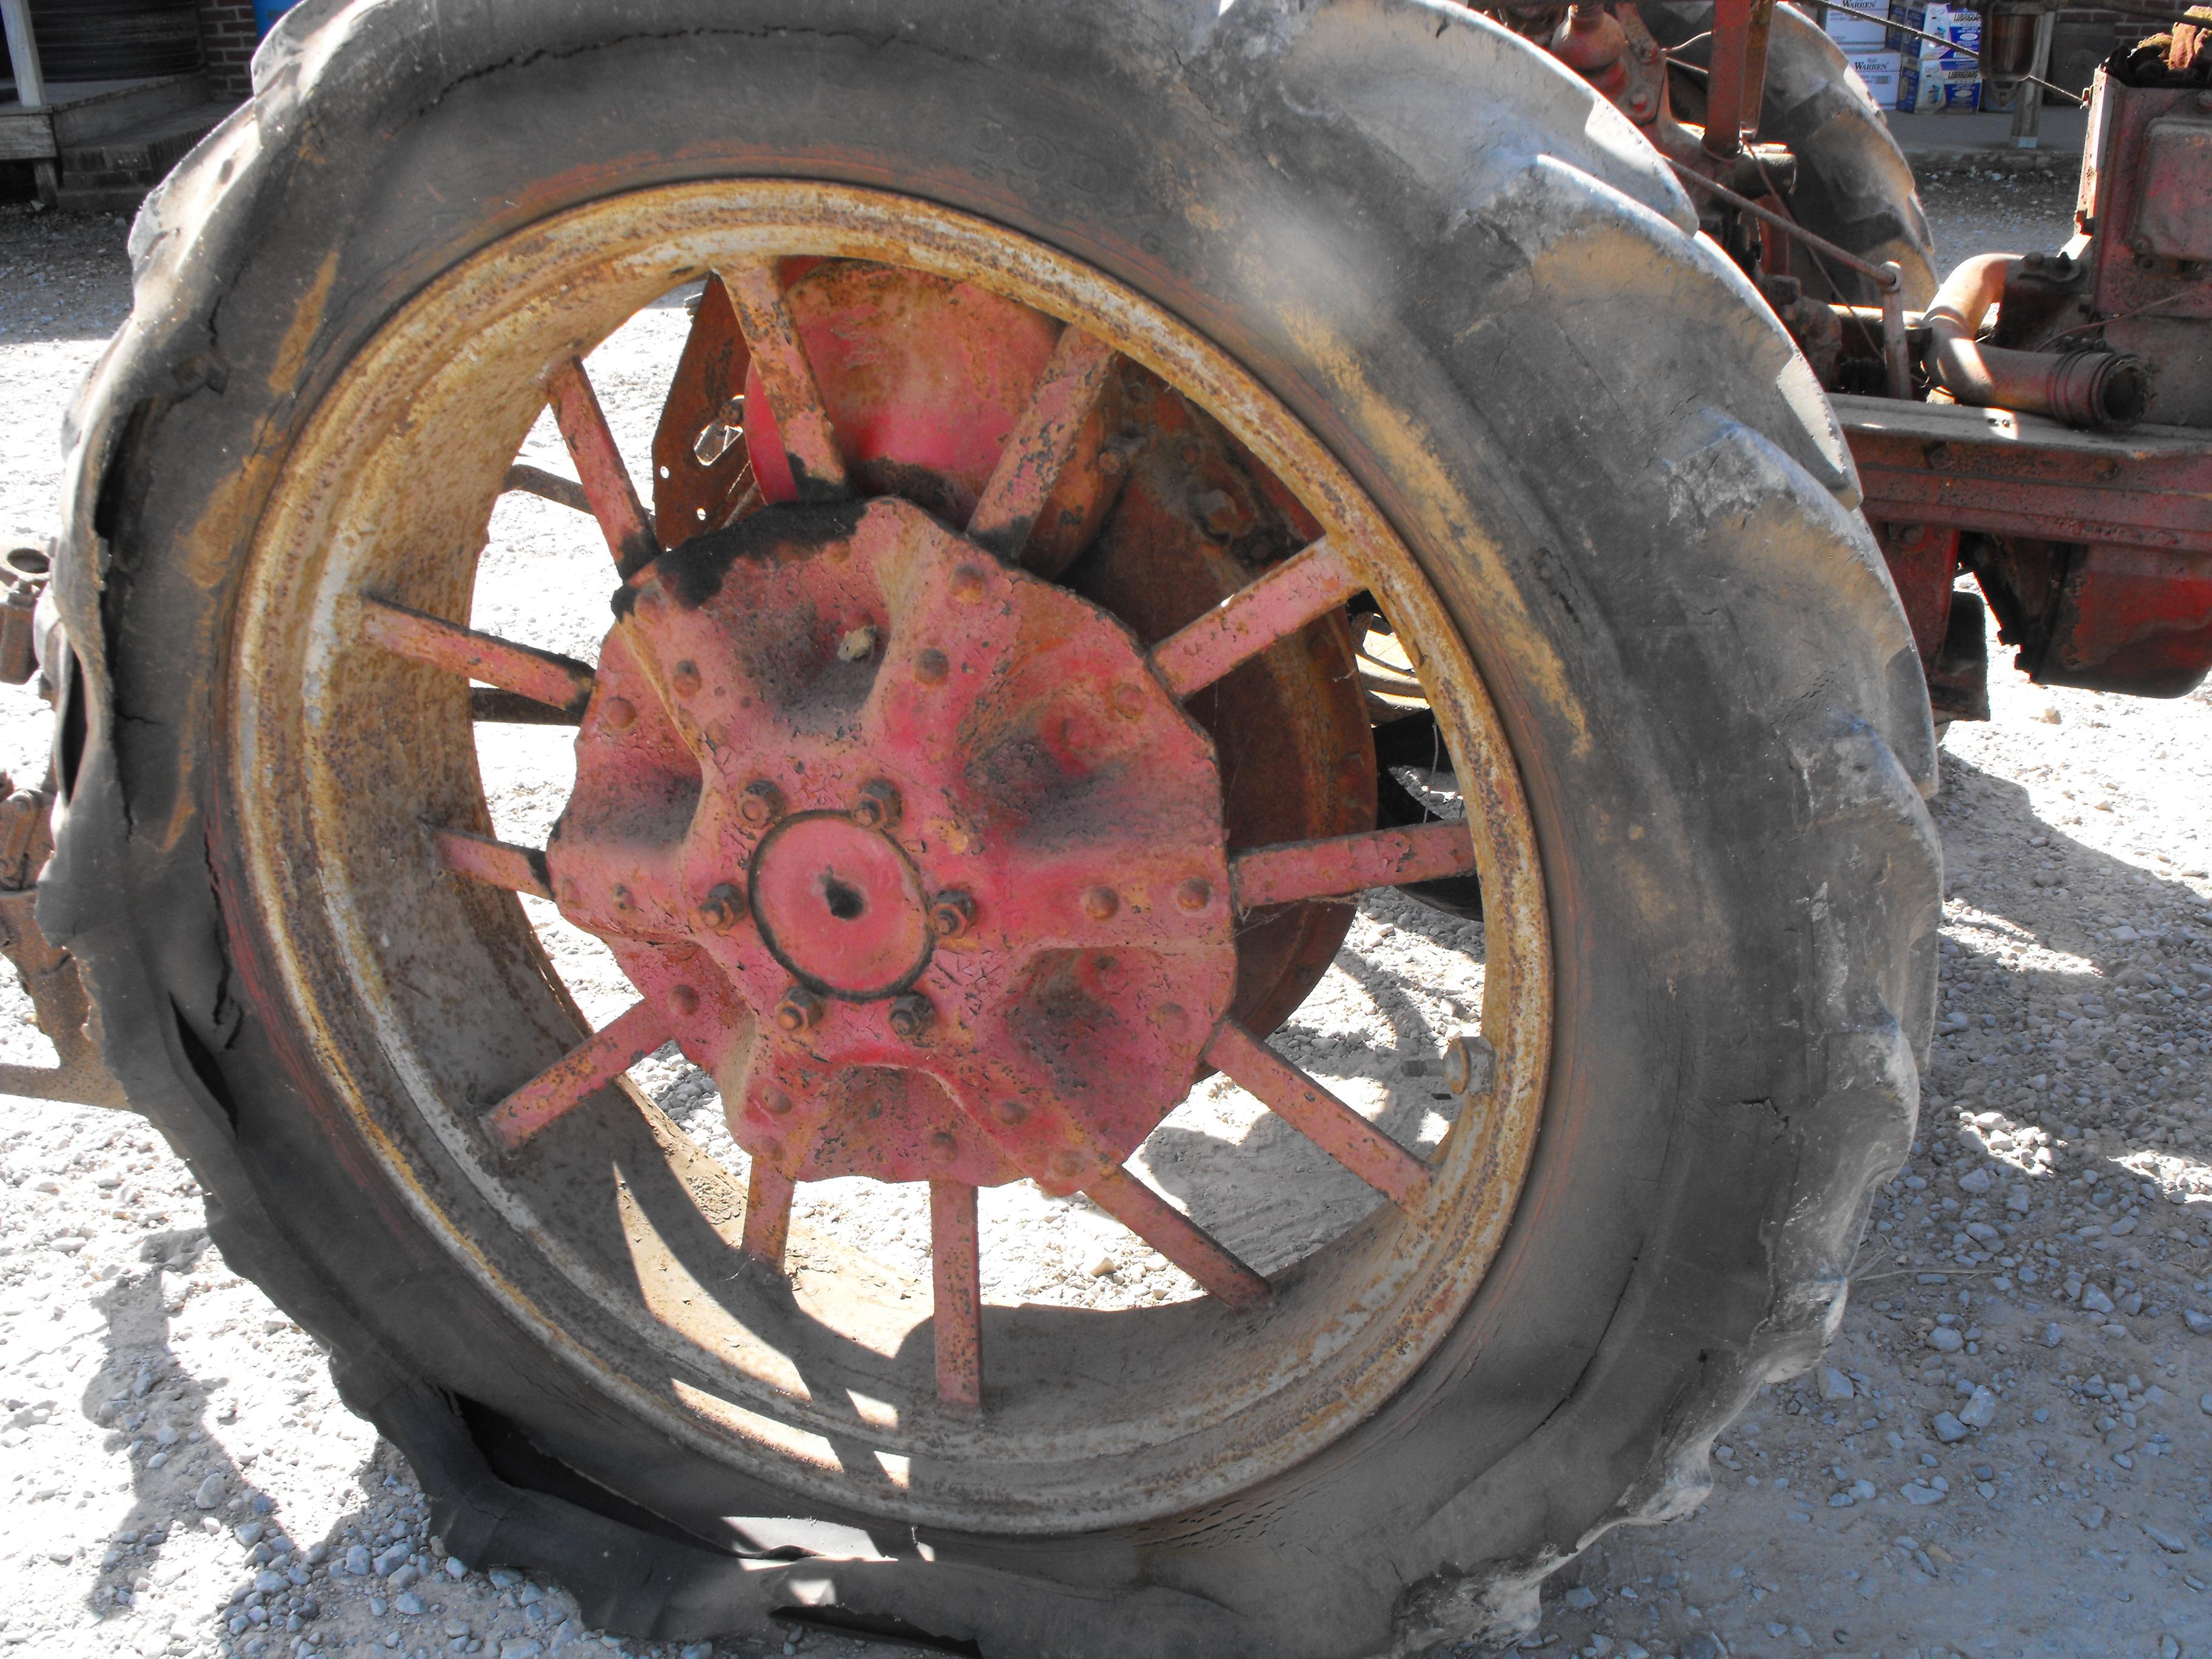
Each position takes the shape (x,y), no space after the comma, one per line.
(978,760)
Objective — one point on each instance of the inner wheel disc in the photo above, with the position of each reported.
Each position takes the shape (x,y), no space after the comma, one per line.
(973,782)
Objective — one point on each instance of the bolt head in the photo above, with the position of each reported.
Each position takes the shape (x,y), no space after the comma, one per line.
(1217,510)
(951,913)
(1470,1064)
(761,804)
(1099,903)
(722,906)
(911,1016)
(799,1011)
(878,806)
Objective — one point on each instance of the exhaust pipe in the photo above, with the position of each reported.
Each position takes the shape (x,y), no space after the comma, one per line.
(2107,389)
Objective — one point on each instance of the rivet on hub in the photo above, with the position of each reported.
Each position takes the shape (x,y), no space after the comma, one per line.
(799,1011)
(618,714)
(685,1001)
(968,584)
(777,1103)
(684,682)
(878,806)
(944,1147)
(930,666)
(722,906)
(1099,903)
(1128,702)
(762,803)
(1470,1064)
(911,1017)
(1067,1165)
(951,913)
(1194,894)
(1011,1111)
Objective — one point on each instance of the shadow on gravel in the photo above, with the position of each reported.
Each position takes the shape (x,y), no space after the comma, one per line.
(144,1397)
(2146,944)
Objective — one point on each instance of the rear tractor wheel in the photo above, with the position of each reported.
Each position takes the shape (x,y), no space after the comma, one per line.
(895,1082)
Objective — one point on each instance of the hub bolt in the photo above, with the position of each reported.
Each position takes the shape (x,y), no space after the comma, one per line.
(722,906)
(799,1011)
(1100,902)
(911,1016)
(1470,1064)
(878,806)
(951,913)
(761,804)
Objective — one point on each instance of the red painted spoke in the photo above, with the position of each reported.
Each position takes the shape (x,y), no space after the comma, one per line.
(1350,863)
(543,677)
(547,486)
(1308,585)
(1039,448)
(577,1076)
(1180,1239)
(767,1213)
(1319,1115)
(802,423)
(519,869)
(956,1266)
(606,484)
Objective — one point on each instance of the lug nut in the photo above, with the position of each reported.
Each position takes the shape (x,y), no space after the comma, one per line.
(722,906)
(1470,1064)
(951,913)
(1099,903)
(799,1011)
(761,804)
(911,1017)
(878,805)
(1217,511)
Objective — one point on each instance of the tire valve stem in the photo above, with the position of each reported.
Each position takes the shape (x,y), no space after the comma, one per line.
(1470,1064)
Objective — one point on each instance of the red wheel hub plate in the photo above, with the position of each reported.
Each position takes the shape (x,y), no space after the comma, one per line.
(911,850)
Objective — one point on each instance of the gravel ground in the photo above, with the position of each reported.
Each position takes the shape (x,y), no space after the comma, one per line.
(2009,1449)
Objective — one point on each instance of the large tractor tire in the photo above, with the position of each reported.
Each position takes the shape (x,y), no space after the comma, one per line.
(1344,310)
(1854,186)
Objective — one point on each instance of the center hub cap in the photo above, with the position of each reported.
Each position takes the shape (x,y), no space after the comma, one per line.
(842,907)
(912,850)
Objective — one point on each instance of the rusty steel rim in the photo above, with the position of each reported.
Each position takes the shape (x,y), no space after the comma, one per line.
(358,814)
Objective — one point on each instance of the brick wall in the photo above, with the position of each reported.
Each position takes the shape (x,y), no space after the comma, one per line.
(227,36)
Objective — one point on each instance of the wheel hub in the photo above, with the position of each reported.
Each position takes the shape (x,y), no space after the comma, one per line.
(911,848)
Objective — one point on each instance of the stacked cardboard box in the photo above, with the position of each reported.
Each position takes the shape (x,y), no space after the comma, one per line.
(1865,45)
(1932,73)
